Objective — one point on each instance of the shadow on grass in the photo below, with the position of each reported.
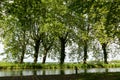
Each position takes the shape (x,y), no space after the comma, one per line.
(100,76)
(83,76)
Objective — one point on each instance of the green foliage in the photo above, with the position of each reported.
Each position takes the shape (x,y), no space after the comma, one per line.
(23,23)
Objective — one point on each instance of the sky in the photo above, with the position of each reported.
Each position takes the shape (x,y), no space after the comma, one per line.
(1,50)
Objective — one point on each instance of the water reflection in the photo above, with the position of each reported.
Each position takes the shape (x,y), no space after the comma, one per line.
(43,73)
(62,72)
(55,71)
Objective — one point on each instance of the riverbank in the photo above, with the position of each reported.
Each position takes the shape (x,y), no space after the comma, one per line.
(87,76)
(10,66)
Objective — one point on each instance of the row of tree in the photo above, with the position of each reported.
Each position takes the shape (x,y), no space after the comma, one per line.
(46,27)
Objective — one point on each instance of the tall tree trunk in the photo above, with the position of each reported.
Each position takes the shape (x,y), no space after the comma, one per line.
(104,45)
(23,48)
(22,56)
(85,52)
(45,55)
(46,49)
(36,47)
(62,57)
(63,41)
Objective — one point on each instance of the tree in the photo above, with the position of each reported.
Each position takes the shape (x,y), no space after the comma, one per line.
(47,42)
(60,26)
(83,9)
(105,24)
(30,14)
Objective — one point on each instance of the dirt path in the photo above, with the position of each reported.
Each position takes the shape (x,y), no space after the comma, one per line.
(89,76)
(41,77)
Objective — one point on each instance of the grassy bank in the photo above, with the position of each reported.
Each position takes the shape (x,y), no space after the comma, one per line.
(4,65)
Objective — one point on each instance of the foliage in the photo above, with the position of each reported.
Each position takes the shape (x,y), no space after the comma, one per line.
(47,28)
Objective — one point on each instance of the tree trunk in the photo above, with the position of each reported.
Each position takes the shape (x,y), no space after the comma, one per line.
(104,45)
(45,55)
(62,57)
(22,56)
(63,41)
(85,52)
(23,48)
(36,47)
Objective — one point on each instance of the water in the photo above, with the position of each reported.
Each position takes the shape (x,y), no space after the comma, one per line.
(54,72)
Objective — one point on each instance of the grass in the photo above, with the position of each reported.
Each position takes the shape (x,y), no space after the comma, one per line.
(6,65)
(115,61)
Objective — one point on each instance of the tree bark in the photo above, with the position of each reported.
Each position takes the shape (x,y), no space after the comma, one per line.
(23,48)
(46,49)
(36,47)
(104,45)
(63,41)
(62,57)
(22,56)
(45,55)
(85,52)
